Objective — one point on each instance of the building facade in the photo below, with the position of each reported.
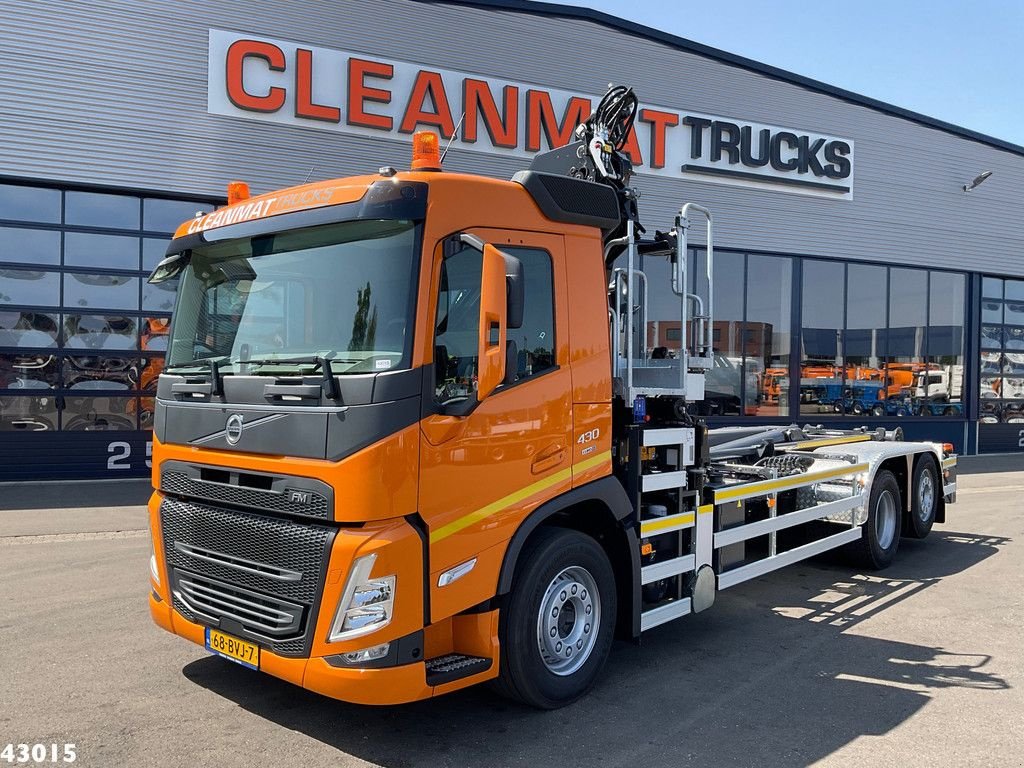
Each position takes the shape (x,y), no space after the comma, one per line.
(856,281)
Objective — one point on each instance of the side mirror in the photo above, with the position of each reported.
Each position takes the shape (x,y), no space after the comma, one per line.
(493,322)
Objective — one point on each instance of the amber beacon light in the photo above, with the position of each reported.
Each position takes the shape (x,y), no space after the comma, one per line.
(426,151)
(237,192)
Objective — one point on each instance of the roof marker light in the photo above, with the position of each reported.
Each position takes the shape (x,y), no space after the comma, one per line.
(237,192)
(426,151)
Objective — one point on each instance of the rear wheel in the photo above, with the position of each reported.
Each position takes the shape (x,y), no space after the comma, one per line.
(925,502)
(557,627)
(880,535)
(877,410)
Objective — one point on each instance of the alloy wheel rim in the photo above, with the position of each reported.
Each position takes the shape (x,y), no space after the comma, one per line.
(885,519)
(926,496)
(568,620)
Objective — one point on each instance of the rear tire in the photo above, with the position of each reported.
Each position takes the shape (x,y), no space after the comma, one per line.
(880,535)
(557,627)
(925,500)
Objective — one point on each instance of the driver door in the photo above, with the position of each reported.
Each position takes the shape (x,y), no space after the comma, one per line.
(483,471)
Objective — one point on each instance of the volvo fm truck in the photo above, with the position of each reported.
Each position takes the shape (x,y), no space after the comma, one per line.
(410,438)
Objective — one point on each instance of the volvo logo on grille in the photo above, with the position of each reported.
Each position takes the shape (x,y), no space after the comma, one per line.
(233,428)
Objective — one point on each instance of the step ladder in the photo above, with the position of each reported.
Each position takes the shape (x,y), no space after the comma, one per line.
(675,532)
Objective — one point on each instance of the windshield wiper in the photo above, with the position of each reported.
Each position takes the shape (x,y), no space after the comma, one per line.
(213,363)
(328,382)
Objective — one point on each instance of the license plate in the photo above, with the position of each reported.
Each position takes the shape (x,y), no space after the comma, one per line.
(231,648)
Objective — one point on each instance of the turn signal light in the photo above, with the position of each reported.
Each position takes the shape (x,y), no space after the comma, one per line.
(237,192)
(426,151)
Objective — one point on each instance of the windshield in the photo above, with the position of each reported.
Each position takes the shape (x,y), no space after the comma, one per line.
(343,292)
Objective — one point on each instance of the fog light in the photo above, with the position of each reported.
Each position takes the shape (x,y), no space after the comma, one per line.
(367,654)
(366,604)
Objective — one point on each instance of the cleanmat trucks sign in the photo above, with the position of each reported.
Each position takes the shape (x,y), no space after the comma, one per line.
(283,82)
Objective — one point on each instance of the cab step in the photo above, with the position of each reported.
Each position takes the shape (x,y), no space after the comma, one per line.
(454,666)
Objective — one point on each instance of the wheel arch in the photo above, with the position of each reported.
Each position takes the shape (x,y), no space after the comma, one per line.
(602,510)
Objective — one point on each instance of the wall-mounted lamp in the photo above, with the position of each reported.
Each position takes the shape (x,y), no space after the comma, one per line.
(977,180)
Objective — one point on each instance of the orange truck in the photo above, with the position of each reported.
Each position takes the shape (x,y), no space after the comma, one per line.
(408,437)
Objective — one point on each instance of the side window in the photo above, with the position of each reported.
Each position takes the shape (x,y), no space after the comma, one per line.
(535,340)
(457,326)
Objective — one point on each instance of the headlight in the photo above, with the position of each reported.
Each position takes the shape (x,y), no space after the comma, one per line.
(366,604)
(154,568)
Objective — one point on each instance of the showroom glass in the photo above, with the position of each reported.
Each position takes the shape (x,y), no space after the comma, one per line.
(29,246)
(767,335)
(1001,365)
(941,385)
(86,252)
(822,318)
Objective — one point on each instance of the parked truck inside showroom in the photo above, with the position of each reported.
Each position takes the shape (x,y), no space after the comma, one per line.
(410,438)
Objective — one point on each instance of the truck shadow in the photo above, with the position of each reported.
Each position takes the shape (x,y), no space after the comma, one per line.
(769,675)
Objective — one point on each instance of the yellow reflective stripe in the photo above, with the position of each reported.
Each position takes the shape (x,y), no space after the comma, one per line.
(832,441)
(647,527)
(784,483)
(592,462)
(515,497)
(950,462)
(706,509)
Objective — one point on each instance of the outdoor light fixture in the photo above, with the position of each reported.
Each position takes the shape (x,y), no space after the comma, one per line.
(977,180)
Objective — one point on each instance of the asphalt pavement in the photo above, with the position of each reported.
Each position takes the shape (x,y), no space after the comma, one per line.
(921,665)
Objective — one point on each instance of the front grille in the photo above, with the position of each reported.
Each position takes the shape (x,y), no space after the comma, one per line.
(258,614)
(294,501)
(255,571)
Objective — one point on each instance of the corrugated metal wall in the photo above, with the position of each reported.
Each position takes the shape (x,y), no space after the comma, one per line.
(115,93)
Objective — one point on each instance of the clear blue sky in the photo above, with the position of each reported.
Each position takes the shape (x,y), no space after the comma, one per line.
(962,62)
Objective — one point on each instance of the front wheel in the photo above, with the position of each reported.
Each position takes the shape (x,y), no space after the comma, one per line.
(557,627)
(880,535)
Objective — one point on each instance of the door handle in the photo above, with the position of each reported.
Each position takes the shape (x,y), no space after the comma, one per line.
(547,459)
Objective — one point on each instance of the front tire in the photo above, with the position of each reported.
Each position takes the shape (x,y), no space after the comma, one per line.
(880,535)
(557,627)
(925,505)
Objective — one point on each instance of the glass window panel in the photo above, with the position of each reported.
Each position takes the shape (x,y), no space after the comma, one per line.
(535,339)
(991,311)
(1013,311)
(98,209)
(30,287)
(1014,289)
(21,413)
(147,407)
(108,251)
(28,329)
(96,332)
(992,288)
(153,251)
(457,326)
(724,382)
(767,339)
(29,246)
(821,359)
(908,314)
(29,371)
(167,215)
(1012,362)
(991,337)
(38,204)
(1013,338)
(865,341)
(1012,412)
(101,372)
(154,334)
(149,372)
(939,390)
(106,291)
(159,297)
(97,414)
